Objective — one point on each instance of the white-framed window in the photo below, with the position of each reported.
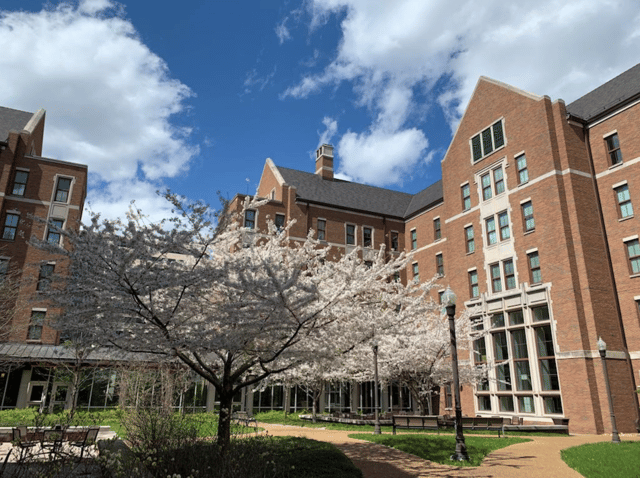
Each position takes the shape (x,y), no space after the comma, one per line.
(497,228)
(439,264)
(416,272)
(350,235)
(470,239)
(487,141)
(63,187)
(35,325)
(528,222)
(614,152)
(525,379)
(535,274)
(20,182)
(474,288)
(53,231)
(521,166)
(44,277)
(367,237)
(322,229)
(492,183)
(465,191)
(633,254)
(394,240)
(250,219)
(10,226)
(625,208)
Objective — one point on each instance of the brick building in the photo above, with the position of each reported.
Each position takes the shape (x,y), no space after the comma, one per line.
(31,186)
(533,224)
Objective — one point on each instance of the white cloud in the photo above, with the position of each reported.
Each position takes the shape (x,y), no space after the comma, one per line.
(379,157)
(253,79)
(331,127)
(390,50)
(282,32)
(114,200)
(109,99)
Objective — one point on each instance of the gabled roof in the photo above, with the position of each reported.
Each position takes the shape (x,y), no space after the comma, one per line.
(613,93)
(12,120)
(424,199)
(359,197)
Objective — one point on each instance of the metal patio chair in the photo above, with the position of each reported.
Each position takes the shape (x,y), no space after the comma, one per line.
(90,438)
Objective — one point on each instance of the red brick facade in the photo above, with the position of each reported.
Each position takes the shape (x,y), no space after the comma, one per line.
(553,224)
(33,186)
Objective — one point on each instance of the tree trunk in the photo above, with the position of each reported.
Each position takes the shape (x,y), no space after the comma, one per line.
(224,421)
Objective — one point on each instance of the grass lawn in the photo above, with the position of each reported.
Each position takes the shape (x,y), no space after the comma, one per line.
(207,422)
(621,460)
(439,448)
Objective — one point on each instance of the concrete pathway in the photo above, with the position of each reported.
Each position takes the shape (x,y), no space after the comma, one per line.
(537,458)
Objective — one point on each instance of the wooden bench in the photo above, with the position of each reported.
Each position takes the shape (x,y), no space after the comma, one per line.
(484,423)
(245,419)
(415,422)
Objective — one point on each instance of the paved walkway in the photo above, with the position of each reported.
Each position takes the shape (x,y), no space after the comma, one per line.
(537,458)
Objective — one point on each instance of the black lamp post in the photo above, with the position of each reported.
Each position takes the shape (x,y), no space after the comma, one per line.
(376,428)
(602,348)
(449,301)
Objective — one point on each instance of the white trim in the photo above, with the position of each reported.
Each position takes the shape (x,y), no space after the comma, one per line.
(617,112)
(464,184)
(471,269)
(373,229)
(618,167)
(463,213)
(467,225)
(355,234)
(525,200)
(19,168)
(531,251)
(617,185)
(606,135)
(13,211)
(428,246)
(39,309)
(517,155)
(637,297)
(630,238)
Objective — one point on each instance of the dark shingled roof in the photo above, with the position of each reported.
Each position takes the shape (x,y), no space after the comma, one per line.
(622,88)
(425,198)
(359,197)
(12,120)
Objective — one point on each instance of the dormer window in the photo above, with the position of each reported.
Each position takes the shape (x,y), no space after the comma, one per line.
(487,141)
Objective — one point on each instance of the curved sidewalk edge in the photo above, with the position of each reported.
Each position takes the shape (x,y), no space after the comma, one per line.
(538,458)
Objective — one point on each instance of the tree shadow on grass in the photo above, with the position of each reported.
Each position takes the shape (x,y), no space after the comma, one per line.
(378,461)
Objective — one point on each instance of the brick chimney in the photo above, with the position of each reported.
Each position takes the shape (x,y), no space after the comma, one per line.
(324,161)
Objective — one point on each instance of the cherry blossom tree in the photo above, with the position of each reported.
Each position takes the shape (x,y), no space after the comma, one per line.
(233,305)
(413,348)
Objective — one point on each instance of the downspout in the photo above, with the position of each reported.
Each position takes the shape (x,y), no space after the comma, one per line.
(610,263)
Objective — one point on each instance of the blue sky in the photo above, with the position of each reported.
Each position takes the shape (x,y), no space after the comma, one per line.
(195,95)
